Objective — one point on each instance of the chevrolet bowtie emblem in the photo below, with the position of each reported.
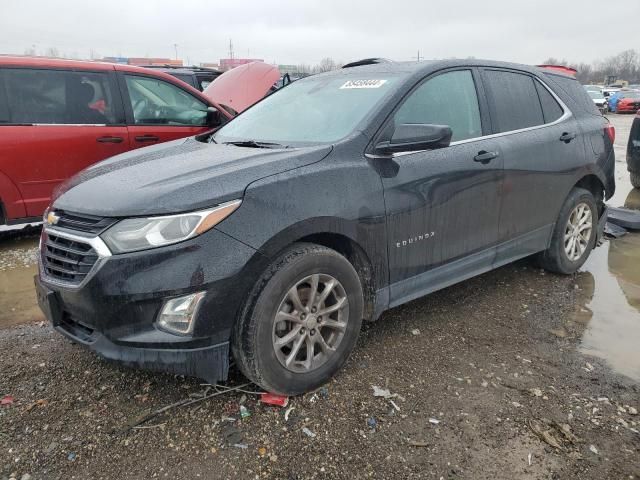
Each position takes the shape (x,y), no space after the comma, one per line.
(52,218)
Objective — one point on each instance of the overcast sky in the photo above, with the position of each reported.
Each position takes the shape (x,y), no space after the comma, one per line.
(305,31)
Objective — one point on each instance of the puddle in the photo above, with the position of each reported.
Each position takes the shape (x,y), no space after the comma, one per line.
(17,268)
(612,314)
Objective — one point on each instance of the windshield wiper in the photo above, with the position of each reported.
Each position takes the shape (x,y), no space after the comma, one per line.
(255,144)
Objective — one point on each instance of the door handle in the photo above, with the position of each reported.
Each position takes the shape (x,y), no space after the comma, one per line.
(566,137)
(108,139)
(485,157)
(147,138)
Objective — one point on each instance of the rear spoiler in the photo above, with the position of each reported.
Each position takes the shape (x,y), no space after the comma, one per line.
(560,68)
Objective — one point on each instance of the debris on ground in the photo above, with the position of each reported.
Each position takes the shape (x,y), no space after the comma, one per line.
(624,217)
(244,412)
(536,392)
(372,423)
(593,449)
(384,393)
(275,400)
(553,434)
(243,446)
(72,456)
(219,390)
(434,421)
(308,432)
(231,435)
(614,231)
(415,332)
(6,400)
(287,413)
(417,443)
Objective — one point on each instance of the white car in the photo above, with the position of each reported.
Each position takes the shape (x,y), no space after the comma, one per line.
(599,100)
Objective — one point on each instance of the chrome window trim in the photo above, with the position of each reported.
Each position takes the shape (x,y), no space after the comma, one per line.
(96,243)
(567,114)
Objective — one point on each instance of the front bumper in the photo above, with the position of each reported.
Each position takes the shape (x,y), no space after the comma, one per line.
(113,311)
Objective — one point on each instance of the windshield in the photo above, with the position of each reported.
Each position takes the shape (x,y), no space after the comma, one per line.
(595,95)
(315,110)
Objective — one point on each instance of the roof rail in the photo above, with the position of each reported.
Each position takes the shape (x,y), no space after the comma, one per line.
(560,68)
(366,61)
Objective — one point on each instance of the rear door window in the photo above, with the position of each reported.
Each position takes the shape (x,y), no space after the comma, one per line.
(551,109)
(447,99)
(156,102)
(59,97)
(515,100)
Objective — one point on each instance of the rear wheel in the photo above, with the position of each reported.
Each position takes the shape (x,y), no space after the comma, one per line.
(635,179)
(574,235)
(301,321)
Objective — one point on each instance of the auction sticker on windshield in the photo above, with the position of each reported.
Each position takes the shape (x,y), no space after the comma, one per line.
(363,84)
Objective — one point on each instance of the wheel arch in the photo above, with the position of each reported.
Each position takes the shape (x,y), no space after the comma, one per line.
(595,185)
(347,238)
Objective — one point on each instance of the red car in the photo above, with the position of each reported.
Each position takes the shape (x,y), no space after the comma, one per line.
(629,102)
(60,116)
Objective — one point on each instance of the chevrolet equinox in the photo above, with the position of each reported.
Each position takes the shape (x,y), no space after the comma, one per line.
(320,207)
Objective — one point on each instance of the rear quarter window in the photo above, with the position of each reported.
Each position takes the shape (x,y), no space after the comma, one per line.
(550,107)
(572,88)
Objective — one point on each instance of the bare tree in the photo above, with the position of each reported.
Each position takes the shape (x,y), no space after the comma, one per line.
(326,65)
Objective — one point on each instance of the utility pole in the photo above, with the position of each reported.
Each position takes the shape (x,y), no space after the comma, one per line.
(418,57)
(231,49)
(175,46)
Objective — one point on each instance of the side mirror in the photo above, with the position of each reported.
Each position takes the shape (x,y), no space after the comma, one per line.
(410,137)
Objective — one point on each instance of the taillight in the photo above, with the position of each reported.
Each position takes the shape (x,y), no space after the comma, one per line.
(610,130)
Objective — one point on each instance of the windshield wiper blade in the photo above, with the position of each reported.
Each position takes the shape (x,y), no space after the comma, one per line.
(255,144)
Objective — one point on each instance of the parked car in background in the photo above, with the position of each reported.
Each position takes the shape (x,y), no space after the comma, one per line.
(198,77)
(615,98)
(610,90)
(593,88)
(243,86)
(320,207)
(60,116)
(598,100)
(633,152)
(628,102)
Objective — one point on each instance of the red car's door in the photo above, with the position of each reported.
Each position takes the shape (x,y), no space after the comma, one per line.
(159,110)
(60,121)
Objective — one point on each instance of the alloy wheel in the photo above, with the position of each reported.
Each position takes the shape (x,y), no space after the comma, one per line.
(310,323)
(578,232)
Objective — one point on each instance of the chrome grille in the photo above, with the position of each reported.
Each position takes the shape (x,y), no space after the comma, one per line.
(65,259)
(83,222)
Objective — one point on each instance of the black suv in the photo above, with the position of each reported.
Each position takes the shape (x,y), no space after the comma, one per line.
(198,77)
(323,205)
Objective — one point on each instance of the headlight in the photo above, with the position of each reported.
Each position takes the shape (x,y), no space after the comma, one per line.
(142,233)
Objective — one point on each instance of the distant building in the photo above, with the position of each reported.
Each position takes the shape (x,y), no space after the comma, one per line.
(210,65)
(229,63)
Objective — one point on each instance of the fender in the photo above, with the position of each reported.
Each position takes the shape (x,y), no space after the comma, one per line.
(11,200)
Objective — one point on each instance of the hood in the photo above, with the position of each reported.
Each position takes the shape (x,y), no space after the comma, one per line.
(241,87)
(173,177)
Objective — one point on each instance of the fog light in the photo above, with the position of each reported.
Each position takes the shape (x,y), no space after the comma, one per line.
(178,314)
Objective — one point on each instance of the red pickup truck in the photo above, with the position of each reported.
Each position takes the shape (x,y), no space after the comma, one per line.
(60,116)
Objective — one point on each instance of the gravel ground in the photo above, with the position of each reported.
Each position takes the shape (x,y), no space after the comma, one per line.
(488,379)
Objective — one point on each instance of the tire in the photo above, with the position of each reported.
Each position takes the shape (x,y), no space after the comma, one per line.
(270,317)
(635,179)
(555,258)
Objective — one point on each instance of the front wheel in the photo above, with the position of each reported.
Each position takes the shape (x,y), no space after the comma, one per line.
(574,235)
(301,321)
